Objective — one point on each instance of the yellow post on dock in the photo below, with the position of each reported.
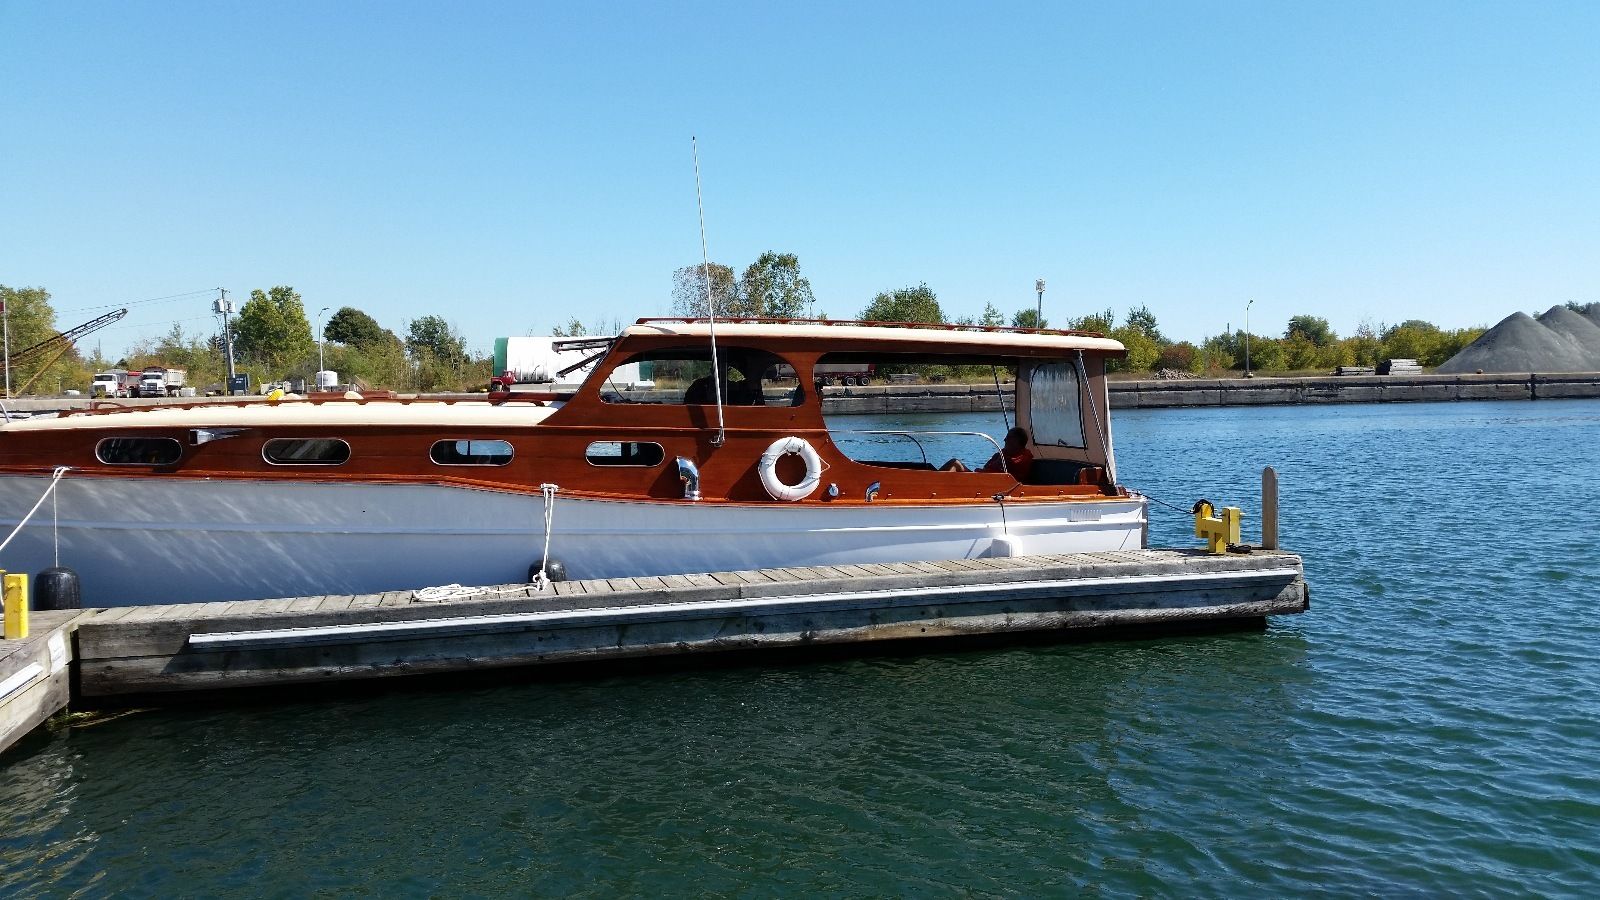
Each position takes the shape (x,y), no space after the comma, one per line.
(1218,531)
(16,604)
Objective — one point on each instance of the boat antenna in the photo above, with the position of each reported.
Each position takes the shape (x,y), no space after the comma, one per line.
(711,306)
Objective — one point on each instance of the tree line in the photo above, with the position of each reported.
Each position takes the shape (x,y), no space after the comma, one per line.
(772,287)
(274,338)
(273,341)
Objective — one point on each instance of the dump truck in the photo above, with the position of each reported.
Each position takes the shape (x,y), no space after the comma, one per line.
(160,381)
(115,383)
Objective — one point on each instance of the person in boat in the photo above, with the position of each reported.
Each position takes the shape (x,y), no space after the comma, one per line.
(1014,457)
(746,391)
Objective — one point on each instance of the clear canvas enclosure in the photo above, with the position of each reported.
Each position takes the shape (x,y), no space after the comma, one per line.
(1054,404)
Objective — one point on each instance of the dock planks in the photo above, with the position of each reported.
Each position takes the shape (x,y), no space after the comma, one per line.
(208,646)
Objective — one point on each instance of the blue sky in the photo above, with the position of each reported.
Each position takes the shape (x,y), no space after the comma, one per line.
(513,165)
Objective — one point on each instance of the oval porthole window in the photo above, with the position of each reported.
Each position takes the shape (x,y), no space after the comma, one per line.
(625,453)
(471,453)
(138,451)
(305,451)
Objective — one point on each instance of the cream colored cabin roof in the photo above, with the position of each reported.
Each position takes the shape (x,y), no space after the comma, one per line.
(298,413)
(853,336)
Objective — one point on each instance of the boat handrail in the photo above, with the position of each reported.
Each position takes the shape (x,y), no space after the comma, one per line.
(913,436)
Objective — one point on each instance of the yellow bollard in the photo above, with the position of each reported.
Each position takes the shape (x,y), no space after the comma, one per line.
(1217,531)
(16,603)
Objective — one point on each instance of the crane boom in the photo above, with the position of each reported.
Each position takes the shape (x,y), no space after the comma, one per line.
(63,338)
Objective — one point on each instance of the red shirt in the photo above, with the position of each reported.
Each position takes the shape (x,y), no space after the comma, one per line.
(1019,464)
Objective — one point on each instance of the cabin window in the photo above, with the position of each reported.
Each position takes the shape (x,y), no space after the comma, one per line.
(625,453)
(683,377)
(138,451)
(945,408)
(471,453)
(306,452)
(1053,405)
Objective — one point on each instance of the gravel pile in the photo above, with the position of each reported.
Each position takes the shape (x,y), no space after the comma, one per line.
(1559,340)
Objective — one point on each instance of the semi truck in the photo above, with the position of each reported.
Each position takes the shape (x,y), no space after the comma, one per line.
(160,381)
(115,383)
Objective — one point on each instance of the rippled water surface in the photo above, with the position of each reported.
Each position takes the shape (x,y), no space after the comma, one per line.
(1430,727)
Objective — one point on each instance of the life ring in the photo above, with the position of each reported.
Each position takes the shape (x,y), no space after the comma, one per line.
(768,467)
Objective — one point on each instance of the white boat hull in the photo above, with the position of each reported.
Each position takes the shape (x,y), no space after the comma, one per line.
(144,540)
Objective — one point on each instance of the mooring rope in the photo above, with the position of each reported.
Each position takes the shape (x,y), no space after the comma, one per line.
(460,592)
(49,490)
(540,583)
(541,580)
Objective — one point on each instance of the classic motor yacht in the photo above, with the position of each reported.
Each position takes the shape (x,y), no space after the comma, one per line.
(725,463)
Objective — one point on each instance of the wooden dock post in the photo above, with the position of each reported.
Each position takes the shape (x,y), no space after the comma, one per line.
(1269,508)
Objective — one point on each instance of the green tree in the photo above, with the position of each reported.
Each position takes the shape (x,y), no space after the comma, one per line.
(1363,347)
(354,328)
(196,354)
(991,317)
(689,291)
(1143,351)
(1263,353)
(1142,320)
(1099,323)
(1299,353)
(772,286)
(1453,342)
(1216,353)
(1181,357)
(433,338)
(272,329)
(1313,328)
(911,304)
(32,319)
(1028,318)
(1412,339)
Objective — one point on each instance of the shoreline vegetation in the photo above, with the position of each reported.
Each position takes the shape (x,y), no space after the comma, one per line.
(275,340)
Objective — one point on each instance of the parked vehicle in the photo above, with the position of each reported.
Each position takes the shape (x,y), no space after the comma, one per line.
(115,383)
(160,381)
(844,373)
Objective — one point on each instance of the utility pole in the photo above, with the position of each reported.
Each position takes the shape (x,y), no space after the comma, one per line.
(223,308)
(1038,315)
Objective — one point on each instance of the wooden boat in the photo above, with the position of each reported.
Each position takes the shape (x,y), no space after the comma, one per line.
(330,494)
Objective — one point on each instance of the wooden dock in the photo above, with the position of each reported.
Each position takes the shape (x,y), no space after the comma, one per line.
(36,674)
(163,650)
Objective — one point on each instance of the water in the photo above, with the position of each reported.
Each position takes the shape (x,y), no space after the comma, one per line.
(1428,728)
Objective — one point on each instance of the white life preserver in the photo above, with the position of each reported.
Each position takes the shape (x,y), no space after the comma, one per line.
(768,467)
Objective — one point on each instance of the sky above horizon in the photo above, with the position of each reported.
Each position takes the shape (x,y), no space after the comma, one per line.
(513,165)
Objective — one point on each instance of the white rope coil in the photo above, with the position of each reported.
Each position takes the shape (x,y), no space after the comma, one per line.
(446,592)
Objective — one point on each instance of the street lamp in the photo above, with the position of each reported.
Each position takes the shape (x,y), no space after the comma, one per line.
(320,341)
(1247,339)
(1038,315)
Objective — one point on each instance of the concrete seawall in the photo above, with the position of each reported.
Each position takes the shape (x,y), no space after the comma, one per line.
(1354,389)
(1168,393)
